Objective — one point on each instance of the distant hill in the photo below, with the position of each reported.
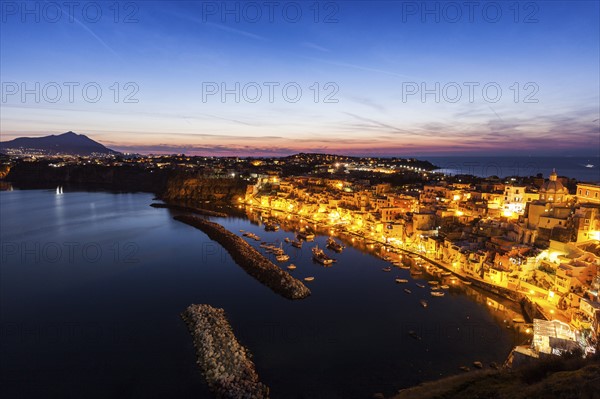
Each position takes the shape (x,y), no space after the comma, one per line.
(66,143)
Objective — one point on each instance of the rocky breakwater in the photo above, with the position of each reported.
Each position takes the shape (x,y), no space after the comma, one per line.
(225,364)
(252,261)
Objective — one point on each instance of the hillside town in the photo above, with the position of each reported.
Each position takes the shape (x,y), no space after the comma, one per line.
(534,241)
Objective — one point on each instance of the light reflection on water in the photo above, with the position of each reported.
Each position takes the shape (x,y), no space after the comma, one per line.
(103,318)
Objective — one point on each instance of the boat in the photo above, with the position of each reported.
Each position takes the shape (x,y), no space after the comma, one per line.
(416,272)
(401,280)
(407,291)
(464,368)
(446,274)
(420,285)
(306,236)
(467,282)
(297,244)
(405,267)
(387,269)
(437,293)
(333,245)
(414,334)
(589,165)
(433,282)
(282,258)
(479,365)
(270,226)
(518,320)
(309,278)
(320,256)
(286,239)
(445,287)
(292,267)
(424,303)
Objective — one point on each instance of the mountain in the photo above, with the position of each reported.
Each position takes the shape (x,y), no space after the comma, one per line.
(66,143)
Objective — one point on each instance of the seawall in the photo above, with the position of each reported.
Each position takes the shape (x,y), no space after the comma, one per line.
(252,261)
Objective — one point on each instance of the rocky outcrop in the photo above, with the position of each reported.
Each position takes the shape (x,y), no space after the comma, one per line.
(189,189)
(252,261)
(225,364)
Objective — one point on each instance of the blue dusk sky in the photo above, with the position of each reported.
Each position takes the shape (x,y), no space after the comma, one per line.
(274,78)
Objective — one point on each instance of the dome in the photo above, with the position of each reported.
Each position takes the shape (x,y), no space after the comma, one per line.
(553,190)
(553,185)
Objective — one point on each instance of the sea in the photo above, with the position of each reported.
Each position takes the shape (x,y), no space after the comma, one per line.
(584,169)
(93,284)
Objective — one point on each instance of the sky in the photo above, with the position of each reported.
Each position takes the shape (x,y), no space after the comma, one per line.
(246,78)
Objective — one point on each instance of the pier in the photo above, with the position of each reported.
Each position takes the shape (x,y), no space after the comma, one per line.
(252,261)
(224,362)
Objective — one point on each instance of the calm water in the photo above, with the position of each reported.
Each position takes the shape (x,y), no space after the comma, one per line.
(572,167)
(92,285)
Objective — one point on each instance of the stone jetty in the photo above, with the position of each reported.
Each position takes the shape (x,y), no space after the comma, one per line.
(252,261)
(191,209)
(225,364)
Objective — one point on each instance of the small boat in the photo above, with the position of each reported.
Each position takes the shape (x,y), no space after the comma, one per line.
(297,244)
(437,293)
(401,280)
(292,267)
(589,165)
(479,365)
(445,287)
(464,368)
(424,303)
(446,274)
(320,256)
(414,334)
(407,291)
(435,288)
(282,258)
(241,230)
(416,272)
(466,282)
(433,282)
(405,267)
(334,246)
(309,278)
(420,285)
(518,320)
(387,269)
(494,365)
(286,239)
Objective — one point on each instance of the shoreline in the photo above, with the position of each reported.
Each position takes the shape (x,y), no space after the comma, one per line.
(252,261)
(194,210)
(224,362)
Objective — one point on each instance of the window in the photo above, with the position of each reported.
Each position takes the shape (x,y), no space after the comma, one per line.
(579,191)
(587,193)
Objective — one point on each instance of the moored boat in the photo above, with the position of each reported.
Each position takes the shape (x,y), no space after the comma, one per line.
(401,280)
(437,293)
(309,278)
(282,258)
(333,245)
(424,303)
(292,267)
(320,256)
(407,291)
(297,244)
(420,285)
(387,269)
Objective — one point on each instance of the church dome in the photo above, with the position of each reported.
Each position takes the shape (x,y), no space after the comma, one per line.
(553,185)
(553,190)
